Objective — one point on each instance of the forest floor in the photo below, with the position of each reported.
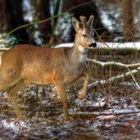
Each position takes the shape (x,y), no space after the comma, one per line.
(109,112)
(98,117)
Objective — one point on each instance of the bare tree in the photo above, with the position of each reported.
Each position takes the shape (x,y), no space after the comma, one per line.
(41,12)
(127,15)
(11,16)
(3,16)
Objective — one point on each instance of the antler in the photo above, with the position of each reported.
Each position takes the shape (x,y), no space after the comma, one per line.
(83,20)
(90,21)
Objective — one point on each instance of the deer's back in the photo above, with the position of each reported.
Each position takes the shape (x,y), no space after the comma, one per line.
(39,65)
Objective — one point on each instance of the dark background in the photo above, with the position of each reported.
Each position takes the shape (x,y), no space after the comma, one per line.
(115,20)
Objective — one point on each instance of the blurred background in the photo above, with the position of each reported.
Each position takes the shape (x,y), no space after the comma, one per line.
(49,21)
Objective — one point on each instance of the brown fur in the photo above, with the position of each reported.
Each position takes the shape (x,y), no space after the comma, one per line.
(59,66)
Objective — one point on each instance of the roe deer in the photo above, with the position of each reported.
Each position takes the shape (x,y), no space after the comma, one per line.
(58,66)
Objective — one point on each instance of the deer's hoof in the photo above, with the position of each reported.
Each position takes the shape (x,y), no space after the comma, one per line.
(81,96)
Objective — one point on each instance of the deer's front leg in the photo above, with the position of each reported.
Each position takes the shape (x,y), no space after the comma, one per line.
(61,91)
(83,92)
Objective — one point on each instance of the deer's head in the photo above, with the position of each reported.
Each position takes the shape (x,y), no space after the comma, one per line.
(84,32)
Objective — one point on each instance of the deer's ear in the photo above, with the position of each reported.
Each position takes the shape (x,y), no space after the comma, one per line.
(75,23)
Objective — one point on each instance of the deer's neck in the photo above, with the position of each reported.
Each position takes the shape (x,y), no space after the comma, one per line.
(78,54)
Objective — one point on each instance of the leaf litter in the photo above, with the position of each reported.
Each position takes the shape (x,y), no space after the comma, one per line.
(116,118)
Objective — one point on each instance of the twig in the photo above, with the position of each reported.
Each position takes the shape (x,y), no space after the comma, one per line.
(115,78)
(103,64)
(121,112)
(45,20)
(129,73)
(136,83)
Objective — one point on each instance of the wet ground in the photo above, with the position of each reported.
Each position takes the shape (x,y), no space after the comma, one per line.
(98,117)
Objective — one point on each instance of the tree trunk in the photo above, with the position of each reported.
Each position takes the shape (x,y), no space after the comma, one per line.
(14,13)
(11,16)
(3,16)
(42,11)
(127,15)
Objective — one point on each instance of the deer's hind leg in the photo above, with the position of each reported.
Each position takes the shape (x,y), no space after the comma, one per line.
(8,77)
(12,92)
(11,82)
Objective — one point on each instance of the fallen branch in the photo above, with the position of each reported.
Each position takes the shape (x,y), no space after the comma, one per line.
(115,112)
(103,64)
(136,83)
(115,78)
(129,73)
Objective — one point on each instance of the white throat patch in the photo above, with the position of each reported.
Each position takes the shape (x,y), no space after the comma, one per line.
(83,57)
(81,49)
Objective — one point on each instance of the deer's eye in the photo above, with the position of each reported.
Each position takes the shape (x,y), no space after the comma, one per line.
(84,36)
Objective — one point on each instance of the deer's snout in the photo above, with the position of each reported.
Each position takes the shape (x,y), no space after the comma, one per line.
(93,45)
